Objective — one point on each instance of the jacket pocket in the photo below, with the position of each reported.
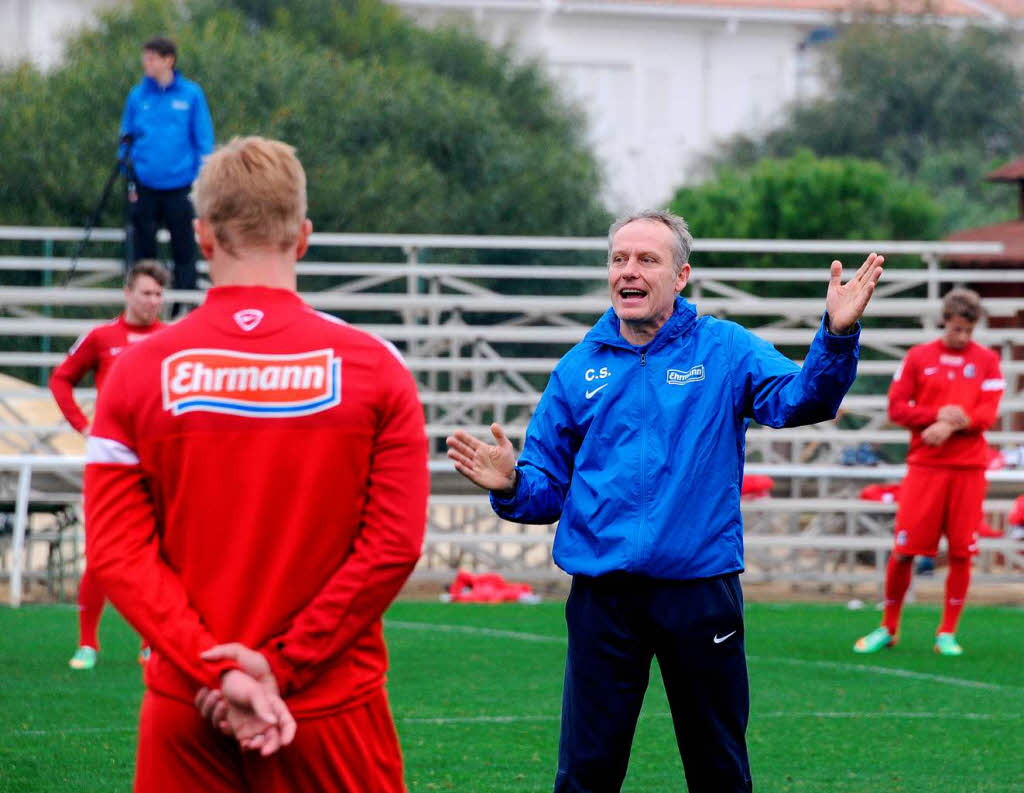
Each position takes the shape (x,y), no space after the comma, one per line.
(732,593)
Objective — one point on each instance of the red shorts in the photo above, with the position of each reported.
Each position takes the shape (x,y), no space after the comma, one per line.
(937,501)
(352,751)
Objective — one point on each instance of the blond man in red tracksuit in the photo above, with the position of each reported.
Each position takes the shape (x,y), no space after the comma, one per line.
(256,497)
(947,394)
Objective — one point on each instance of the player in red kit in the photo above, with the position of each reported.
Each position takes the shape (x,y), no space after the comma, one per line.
(96,352)
(947,394)
(256,487)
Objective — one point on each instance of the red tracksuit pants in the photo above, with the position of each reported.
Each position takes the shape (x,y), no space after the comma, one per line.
(354,750)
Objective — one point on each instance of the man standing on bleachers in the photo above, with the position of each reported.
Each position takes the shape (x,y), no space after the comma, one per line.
(947,394)
(96,352)
(169,132)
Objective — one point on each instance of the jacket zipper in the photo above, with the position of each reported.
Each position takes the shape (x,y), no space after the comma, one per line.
(643,458)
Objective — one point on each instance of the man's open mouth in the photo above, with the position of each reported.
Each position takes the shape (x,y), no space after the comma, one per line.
(629,294)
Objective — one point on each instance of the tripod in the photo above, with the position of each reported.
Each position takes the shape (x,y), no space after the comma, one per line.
(122,166)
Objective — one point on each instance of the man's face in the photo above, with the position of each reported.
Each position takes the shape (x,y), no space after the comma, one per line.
(143,300)
(957,332)
(641,273)
(156,66)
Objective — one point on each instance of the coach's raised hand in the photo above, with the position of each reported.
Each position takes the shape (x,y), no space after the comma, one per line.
(490,466)
(845,303)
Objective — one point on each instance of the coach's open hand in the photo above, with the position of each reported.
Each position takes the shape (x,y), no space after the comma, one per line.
(491,467)
(846,302)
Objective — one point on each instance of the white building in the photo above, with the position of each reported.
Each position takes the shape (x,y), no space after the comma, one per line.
(35,30)
(659,81)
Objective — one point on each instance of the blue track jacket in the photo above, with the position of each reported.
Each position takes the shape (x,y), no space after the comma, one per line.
(639,450)
(171,129)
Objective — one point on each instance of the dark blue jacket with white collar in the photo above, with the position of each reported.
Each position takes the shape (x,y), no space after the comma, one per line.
(638,451)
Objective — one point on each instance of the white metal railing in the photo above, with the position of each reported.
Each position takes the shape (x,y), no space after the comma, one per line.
(26,465)
(468,373)
(497,303)
(547,335)
(466,241)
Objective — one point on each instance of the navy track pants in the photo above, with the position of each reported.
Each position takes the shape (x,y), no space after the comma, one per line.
(617,623)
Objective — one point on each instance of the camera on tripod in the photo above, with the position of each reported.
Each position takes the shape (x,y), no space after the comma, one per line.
(122,167)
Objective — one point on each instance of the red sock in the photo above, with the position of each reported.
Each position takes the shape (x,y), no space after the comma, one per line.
(90,607)
(957,581)
(897,581)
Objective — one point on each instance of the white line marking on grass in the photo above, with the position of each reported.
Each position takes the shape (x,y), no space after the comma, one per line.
(75,731)
(474,719)
(778,714)
(846,667)
(885,670)
(493,632)
(827,714)
(443,720)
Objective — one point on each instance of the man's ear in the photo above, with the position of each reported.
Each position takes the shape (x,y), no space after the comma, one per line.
(302,244)
(205,237)
(683,278)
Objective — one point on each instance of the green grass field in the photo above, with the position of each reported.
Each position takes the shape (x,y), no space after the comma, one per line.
(476,692)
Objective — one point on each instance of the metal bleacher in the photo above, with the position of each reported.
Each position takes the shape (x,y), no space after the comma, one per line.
(481,334)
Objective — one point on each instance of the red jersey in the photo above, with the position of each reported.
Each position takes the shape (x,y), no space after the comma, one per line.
(933,375)
(257,473)
(96,352)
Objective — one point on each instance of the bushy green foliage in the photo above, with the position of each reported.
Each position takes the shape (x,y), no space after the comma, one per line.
(940,106)
(806,197)
(400,129)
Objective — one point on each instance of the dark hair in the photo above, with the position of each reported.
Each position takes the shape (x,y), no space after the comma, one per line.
(963,303)
(150,267)
(162,46)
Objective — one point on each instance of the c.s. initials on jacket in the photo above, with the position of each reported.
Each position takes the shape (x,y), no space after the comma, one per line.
(638,451)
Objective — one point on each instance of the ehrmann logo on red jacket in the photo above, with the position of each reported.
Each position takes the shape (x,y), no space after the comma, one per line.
(251,384)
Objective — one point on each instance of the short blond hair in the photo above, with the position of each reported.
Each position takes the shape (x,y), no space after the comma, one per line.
(252,191)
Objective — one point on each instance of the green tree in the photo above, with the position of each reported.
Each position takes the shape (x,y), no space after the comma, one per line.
(940,106)
(400,129)
(806,197)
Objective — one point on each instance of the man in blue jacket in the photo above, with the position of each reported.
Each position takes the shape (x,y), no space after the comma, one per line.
(636,448)
(170,132)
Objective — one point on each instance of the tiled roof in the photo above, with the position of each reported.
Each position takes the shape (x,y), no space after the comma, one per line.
(967,9)
(1010,234)
(1011,172)
(1013,8)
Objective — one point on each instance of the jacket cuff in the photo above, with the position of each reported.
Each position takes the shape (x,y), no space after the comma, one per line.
(499,501)
(839,343)
(217,670)
(281,669)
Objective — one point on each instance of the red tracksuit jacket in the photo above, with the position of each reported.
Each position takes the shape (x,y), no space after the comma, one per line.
(95,351)
(933,375)
(257,472)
